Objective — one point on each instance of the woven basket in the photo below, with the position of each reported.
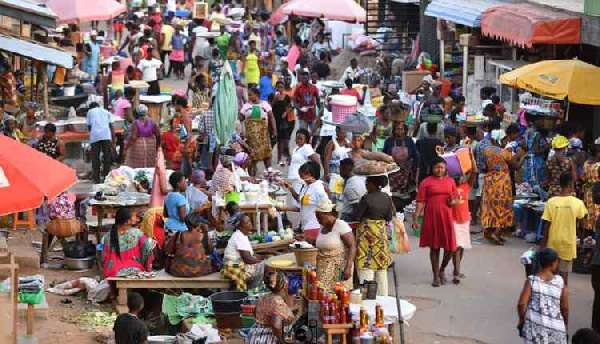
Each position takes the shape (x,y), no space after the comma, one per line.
(306,255)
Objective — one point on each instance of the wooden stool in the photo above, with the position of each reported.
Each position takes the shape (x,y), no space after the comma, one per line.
(336,329)
(29,222)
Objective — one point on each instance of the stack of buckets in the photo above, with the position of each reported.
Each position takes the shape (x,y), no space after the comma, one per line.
(342,106)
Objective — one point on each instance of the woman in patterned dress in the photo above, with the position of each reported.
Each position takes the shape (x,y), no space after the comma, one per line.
(142,146)
(272,313)
(497,196)
(125,249)
(543,305)
(559,165)
(258,117)
(591,175)
(189,250)
(373,256)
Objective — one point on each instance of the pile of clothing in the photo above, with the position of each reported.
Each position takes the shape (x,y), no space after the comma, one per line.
(31,284)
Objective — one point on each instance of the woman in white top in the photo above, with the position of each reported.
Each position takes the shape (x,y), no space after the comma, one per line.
(241,266)
(241,161)
(337,247)
(336,150)
(302,154)
(309,195)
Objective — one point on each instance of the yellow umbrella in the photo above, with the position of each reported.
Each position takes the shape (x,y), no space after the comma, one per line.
(558,79)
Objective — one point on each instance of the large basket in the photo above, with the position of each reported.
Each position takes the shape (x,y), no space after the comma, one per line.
(342,106)
(306,255)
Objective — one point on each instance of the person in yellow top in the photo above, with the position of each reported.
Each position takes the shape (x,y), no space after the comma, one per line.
(251,68)
(166,34)
(560,224)
(217,18)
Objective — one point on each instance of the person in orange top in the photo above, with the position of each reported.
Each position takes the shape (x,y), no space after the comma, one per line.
(462,222)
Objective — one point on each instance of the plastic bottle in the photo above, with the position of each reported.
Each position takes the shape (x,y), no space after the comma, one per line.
(364,320)
(333,313)
(325,313)
(378,315)
(342,317)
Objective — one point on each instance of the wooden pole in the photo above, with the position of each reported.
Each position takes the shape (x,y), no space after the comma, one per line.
(44,76)
(30,315)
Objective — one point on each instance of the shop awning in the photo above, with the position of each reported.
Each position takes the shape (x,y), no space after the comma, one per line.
(28,11)
(36,51)
(526,25)
(465,12)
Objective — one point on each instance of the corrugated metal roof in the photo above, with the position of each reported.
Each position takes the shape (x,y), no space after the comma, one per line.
(465,12)
(28,11)
(30,6)
(36,51)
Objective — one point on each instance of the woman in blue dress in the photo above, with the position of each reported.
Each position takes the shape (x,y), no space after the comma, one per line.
(537,148)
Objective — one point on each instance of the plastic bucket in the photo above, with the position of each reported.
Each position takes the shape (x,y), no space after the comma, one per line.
(228,301)
(342,106)
(230,320)
(232,196)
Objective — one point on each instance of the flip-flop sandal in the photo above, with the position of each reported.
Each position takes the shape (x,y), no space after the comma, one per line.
(435,284)
(462,276)
(456,280)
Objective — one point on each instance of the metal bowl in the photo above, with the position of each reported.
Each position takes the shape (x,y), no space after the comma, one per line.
(79,127)
(79,263)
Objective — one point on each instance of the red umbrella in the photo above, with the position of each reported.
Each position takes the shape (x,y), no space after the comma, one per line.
(343,10)
(28,176)
(70,11)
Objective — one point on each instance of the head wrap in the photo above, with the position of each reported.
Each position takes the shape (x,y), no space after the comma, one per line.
(226,160)
(178,92)
(325,207)
(240,158)
(279,281)
(141,110)
(560,142)
(235,220)
(30,105)
(198,177)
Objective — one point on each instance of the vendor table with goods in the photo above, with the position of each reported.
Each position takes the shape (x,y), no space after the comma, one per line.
(136,201)
(157,106)
(162,280)
(530,209)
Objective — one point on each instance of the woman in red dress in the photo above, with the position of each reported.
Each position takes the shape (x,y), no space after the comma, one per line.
(437,194)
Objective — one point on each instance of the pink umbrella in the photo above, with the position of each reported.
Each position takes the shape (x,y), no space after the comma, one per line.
(71,11)
(343,10)
(278,17)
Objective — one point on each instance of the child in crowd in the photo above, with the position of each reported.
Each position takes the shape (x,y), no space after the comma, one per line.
(128,328)
(560,216)
(462,221)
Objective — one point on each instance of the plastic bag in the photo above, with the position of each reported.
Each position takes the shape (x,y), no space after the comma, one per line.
(100,293)
(75,249)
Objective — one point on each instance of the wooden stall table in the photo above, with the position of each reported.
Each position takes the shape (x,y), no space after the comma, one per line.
(263,210)
(165,281)
(75,139)
(140,203)
(157,106)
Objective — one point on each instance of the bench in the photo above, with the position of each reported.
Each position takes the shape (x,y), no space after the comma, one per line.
(165,281)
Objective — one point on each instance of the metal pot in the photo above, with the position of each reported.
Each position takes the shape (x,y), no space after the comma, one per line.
(79,263)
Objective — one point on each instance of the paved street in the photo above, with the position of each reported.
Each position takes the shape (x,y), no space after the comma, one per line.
(483,306)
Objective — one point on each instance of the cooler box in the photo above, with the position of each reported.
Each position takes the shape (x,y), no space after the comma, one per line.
(342,106)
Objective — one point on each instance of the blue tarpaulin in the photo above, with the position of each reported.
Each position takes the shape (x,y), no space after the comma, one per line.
(465,12)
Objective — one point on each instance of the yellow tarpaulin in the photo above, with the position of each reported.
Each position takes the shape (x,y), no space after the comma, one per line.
(558,79)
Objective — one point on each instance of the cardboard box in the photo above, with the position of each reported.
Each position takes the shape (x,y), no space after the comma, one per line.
(469,39)
(412,79)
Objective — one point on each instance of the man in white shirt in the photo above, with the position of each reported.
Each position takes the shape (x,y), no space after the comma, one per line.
(149,67)
(353,72)
(102,137)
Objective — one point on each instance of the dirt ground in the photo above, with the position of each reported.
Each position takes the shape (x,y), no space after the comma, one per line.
(54,329)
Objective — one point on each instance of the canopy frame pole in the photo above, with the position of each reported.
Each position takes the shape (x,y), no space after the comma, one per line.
(465,71)
(568,108)
(442,60)
(44,76)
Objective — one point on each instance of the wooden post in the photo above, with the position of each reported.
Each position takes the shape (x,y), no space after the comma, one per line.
(30,316)
(44,76)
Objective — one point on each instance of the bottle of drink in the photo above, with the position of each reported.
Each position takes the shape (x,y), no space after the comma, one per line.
(325,312)
(378,315)
(364,320)
(333,310)
(342,317)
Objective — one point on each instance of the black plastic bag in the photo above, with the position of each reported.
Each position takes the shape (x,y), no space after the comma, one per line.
(75,249)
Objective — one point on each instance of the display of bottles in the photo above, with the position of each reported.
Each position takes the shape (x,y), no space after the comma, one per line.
(325,312)
(364,320)
(333,310)
(378,315)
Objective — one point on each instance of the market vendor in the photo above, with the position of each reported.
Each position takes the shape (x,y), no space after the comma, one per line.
(28,123)
(271,312)
(176,204)
(337,247)
(125,249)
(308,195)
(241,161)
(141,147)
(241,266)
(51,145)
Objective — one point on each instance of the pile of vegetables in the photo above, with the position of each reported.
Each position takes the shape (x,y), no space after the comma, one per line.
(92,321)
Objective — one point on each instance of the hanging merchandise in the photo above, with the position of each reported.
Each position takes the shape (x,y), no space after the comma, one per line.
(225,106)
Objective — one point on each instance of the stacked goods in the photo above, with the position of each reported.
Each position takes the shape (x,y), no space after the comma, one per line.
(374,163)
(335,307)
(274,177)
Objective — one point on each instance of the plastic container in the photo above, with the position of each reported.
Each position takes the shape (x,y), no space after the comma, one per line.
(342,106)
(232,196)
(228,301)
(247,321)
(418,230)
(31,298)
(232,320)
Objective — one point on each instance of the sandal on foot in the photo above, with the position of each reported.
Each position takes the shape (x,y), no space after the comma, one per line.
(456,280)
(435,284)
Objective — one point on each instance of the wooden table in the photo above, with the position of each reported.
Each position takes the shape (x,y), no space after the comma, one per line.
(102,208)
(269,248)
(263,210)
(165,281)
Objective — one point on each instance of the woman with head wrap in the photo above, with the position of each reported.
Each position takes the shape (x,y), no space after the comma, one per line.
(272,313)
(141,147)
(373,256)
(437,194)
(241,266)
(241,162)
(337,247)
(223,178)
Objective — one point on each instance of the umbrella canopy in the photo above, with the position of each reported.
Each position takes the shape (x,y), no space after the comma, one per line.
(278,17)
(27,176)
(343,10)
(70,11)
(558,79)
